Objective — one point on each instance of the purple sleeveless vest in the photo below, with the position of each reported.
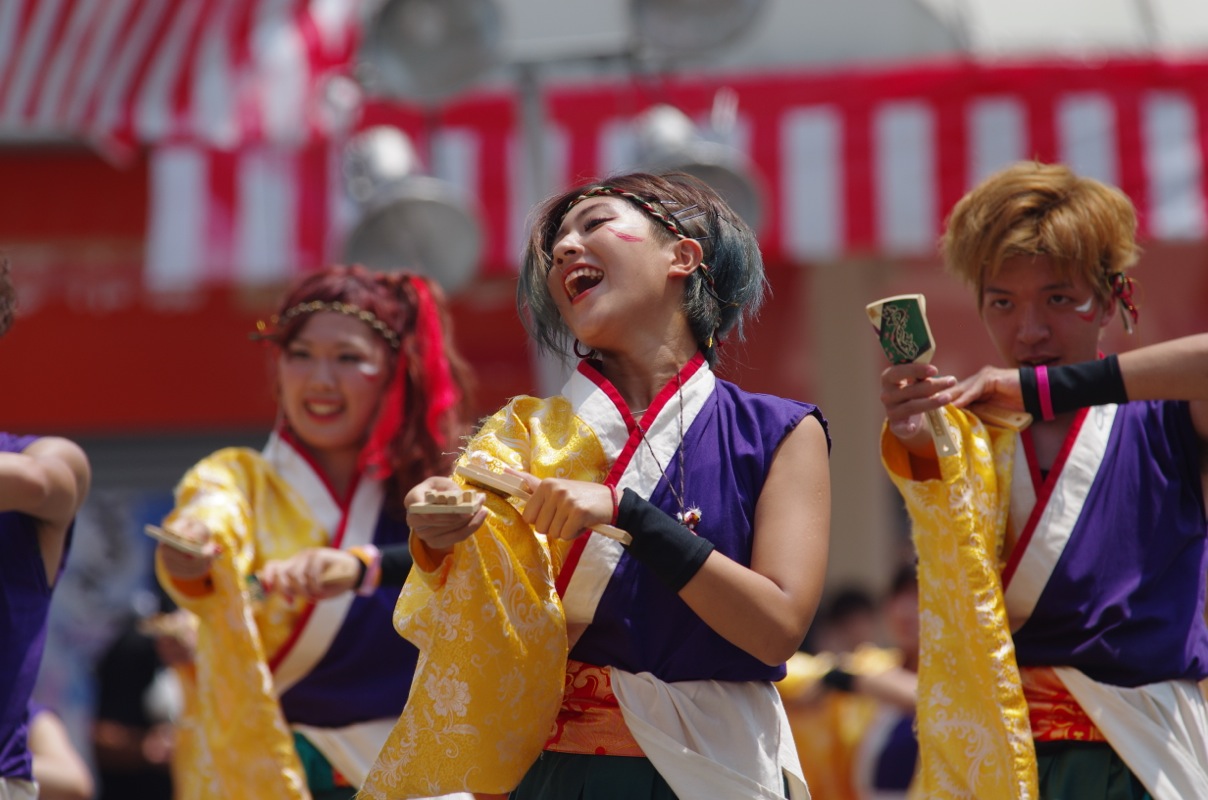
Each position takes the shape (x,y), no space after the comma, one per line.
(24,605)
(1125,602)
(640,625)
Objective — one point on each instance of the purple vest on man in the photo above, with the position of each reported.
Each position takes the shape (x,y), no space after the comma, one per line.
(1125,603)
(640,625)
(24,607)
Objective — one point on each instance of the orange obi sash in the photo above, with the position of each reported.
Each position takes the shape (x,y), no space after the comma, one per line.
(590,720)
(1054,713)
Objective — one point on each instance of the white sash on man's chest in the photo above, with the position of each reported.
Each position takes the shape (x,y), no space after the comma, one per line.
(1048,524)
(639,460)
(321,627)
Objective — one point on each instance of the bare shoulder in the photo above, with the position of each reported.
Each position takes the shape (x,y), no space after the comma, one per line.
(65,451)
(803,455)
(69,468)
(806,441)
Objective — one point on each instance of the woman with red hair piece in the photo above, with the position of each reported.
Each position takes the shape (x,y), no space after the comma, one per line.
(288,698)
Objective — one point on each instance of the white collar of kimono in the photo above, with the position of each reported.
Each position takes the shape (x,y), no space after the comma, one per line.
(354,525)
(636,466)
(1045,522)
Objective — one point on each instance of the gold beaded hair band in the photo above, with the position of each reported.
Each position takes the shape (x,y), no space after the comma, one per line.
(313,306)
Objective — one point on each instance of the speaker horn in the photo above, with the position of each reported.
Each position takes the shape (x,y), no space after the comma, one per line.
(668,141)
(428,50)
(407,220)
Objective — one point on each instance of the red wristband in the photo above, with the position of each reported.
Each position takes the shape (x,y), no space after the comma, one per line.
(616,503)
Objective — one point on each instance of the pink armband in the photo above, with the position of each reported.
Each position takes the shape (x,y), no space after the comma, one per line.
(1045,394)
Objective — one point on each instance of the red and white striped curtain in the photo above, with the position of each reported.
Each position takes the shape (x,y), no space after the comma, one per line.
(858,164)
(220,72)
(245,184)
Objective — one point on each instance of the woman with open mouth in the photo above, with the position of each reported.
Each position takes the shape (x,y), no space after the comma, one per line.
(558,662)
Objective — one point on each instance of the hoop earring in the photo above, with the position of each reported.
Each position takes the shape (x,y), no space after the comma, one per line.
(582,355)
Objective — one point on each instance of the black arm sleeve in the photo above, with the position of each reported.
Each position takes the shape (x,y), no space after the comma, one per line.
(396,564)
(671,551)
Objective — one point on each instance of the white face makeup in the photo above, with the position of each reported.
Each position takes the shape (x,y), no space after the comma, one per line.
(370,369)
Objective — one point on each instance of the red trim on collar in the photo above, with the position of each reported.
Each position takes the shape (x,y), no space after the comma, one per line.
(1044,490)
(589,371)
(289,437)
(337,539)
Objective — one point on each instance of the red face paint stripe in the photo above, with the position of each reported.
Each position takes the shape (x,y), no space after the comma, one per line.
(625,237)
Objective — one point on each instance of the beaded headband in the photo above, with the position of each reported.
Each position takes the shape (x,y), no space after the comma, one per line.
(667,221)
(313,306)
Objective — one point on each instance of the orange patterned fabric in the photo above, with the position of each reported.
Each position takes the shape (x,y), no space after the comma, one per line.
(590,721)
(1054,713)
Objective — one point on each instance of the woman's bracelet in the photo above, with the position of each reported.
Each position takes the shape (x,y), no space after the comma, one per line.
(1048,392)
(371,568)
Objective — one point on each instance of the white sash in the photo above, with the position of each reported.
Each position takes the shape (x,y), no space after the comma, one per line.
(680,729)
(17,789)
(1160,730)
(641,471)
(324,623)
(1046,534)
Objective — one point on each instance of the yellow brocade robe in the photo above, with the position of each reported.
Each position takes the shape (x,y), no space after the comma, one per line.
(489,626)
(974,736)
(238,743)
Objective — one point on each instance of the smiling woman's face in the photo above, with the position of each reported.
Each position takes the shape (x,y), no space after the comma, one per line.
(331,376)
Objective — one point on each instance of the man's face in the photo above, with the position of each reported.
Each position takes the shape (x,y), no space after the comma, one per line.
(1037,317)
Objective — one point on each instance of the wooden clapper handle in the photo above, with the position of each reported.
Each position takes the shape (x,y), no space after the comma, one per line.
(511,486)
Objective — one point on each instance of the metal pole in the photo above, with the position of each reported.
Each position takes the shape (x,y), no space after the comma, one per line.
(549,371)
(533,121)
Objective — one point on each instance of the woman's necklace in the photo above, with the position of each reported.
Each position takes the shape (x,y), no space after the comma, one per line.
(688,517)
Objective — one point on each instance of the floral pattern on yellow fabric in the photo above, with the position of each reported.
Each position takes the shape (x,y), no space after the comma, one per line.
(239,744)
(974,737)
(489,626)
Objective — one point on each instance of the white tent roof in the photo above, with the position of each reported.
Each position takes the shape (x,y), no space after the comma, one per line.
(847,33)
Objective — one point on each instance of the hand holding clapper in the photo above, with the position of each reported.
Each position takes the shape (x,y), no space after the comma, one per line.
(901,325)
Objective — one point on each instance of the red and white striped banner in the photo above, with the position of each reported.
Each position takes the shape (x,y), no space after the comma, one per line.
(226,73)
(231,95)
(855,164)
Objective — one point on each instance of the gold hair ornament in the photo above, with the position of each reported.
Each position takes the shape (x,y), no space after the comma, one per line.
(314,306)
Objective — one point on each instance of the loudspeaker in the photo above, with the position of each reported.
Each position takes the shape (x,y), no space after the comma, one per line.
(407,220)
